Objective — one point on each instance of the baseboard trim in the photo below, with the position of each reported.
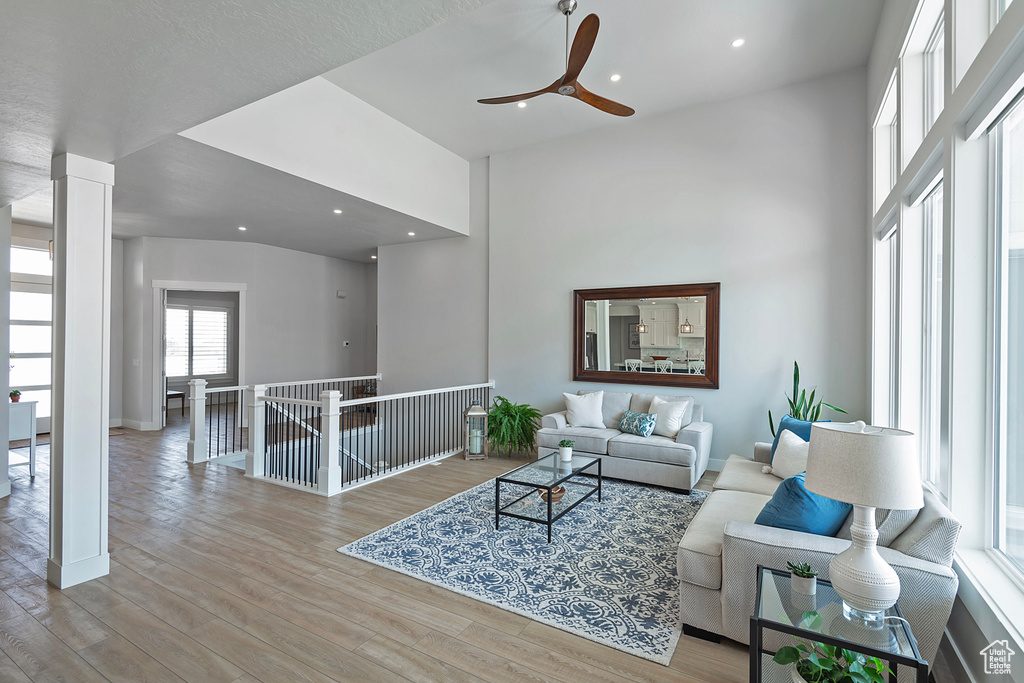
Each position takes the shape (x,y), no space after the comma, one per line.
(960,672)
(114,423)
(75,573)
(5,488)
(141,426)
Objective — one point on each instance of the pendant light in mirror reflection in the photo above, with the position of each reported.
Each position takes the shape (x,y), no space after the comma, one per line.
(686,327)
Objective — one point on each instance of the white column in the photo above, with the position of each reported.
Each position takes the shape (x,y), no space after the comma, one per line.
(5,341)
(257,438)
(198,449)
(81,370)
(329,475)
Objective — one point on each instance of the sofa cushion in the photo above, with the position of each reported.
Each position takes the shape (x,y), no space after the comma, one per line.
(652,449)
(794,507)
(585,410)
(790,456)
(670,415)
(614,405)
(933,534)
(699,558)
(637,424)
(587,439)
(744,474)
(801,428)
(641,403)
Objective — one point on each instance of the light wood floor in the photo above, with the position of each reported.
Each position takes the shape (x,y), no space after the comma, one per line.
(218,578)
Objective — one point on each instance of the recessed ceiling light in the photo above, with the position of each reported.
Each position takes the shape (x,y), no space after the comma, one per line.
(373,257)
(522,105)
(738,42)
(615,78)
(412,234)
(242,228)
(337,211)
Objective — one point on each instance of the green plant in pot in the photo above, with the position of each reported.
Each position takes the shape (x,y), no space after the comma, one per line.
(15,395)
(512,427)
(802,406)
(565,450)
(802,578)
(816,662)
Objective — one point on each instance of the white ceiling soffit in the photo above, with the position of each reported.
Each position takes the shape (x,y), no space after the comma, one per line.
(181,188)
(317,131)
(669,53)
(104,78)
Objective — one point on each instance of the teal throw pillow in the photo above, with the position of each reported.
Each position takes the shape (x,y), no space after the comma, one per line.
(640,424)
(794,507)
(801,428)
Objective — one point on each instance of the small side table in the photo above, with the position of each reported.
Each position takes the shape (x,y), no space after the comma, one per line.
(778,613)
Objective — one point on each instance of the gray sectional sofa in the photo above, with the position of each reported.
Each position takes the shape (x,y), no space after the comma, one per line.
(722,547)
(674,463)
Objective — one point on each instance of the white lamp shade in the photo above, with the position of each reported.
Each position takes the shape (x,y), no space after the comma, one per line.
(875,467)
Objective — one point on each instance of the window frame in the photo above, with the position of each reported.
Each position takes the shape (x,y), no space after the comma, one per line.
(934,64)
(934,386)
(229,345)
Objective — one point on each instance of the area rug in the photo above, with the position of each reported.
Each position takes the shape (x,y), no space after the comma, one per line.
(608,575)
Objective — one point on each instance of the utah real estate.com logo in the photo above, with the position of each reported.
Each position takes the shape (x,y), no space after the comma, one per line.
(997,657)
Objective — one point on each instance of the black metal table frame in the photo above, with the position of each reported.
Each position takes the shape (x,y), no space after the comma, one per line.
(758,624)
(499,509)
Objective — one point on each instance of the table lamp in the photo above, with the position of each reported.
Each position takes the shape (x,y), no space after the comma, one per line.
(869,467)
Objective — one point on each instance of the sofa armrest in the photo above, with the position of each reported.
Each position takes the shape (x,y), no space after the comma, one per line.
(698,435)
(763,453)
(554,421)
(926,598)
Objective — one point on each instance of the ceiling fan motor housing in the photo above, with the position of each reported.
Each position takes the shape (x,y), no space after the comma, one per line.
(566,7)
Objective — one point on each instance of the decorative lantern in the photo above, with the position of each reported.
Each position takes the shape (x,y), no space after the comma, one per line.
(476,432)
(686,328)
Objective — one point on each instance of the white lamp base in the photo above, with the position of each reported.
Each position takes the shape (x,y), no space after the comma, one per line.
(865,581)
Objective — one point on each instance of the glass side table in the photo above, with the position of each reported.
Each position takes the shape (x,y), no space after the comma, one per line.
(777,622)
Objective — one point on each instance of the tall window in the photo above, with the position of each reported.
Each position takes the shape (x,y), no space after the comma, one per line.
(31,327)
(934,71)
(935,457)
(1009,470)
(197,341)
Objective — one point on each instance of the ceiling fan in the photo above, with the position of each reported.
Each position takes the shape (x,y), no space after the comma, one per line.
(575,59)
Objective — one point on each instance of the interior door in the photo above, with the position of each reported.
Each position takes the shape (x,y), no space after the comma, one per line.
(163,358)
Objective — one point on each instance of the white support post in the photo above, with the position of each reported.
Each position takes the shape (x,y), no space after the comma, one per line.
(329,474)
(82,191)
(5,346)
(198,448)
(257,437)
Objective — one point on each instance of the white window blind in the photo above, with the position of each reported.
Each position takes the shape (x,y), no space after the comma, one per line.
(196,341)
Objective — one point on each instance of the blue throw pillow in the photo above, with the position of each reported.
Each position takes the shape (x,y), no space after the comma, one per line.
(801,428)
(794,507)
(640,424)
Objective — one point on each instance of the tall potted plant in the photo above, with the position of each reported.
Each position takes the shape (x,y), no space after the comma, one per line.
(802,406)
(512,427)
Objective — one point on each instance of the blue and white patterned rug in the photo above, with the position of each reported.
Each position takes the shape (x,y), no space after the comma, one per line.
(609,573)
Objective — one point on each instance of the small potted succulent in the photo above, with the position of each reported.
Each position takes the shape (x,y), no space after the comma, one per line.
(815,662)
(565,450)
(802,579)
(15,395)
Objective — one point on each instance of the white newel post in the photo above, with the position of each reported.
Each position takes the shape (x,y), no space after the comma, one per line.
(257,436)
(198,448)
(81,370)
(329,474)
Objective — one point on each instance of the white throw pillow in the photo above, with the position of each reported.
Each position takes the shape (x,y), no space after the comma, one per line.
(790,456)
(669,415)
(585,410)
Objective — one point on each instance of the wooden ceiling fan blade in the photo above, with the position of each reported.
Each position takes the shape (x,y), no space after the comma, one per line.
(508,99)
(602,103)
(582,45)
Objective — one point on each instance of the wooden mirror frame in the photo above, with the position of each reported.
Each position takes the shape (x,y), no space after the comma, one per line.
(709,380)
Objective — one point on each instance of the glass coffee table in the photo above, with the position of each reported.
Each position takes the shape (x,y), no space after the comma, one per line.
(779,618)
(545,474)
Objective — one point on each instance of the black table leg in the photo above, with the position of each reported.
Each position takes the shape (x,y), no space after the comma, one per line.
(497,504)
(599,480)
(755,651)
(550,496)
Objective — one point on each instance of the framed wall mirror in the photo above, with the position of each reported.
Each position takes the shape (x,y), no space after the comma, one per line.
(660,335)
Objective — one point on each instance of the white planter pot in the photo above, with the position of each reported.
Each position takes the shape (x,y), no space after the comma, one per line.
(565,454)
(797,678)
(803,585)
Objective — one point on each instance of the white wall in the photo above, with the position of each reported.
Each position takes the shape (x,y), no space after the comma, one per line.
(116,332)
(5,340)
(294,321)
(764,194)
(432,305)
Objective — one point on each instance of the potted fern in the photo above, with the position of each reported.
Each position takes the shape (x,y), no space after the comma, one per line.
(802,406)
(512,427)
(815,662)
